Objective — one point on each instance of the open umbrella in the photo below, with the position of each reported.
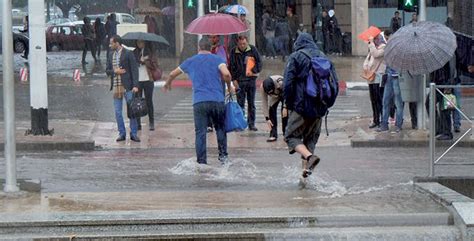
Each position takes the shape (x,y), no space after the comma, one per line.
(147,10)
(420,48)
(168,11)
(237,9)
(216,24)
(372,31)
(131,37)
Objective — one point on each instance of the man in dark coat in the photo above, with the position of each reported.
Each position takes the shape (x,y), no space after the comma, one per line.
(89,39)
(305,112)
(245,64)
(122,68)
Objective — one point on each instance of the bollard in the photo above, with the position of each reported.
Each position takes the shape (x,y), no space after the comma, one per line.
(77,75)
(24,75)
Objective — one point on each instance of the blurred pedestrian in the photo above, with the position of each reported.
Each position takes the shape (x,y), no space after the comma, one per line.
(123,71)
(272,95)
(110,28)
(99,35)
(293,23)
(334,34)
(325,29)
(414,18)
(205,70)
(395,22)
(268,30)
(391,93)
(152,26)
(26,31)
(304,112)
(282,38)
(245,65)
(147,59)
(375,67)
(89,40)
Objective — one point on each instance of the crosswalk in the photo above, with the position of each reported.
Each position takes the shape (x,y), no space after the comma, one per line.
(344,109)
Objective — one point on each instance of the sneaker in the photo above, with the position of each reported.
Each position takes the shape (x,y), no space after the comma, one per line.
(382,129)
(224,160)
(135,138)
(373,125)
(457,129)
(271,139)
(120,138)
(209,130)
(396,130)
(312,162)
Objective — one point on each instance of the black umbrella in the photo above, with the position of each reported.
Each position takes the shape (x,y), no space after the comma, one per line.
(131,37)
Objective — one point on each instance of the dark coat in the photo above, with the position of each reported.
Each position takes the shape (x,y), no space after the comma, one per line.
(127,62)
(296,72)
(237,63)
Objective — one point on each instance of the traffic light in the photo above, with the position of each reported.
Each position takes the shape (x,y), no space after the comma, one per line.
(408,5)
(190,4)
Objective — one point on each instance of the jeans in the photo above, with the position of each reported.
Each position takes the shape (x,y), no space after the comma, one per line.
(376,101)
(203,111)
(273,118)
(392,91)
(270,47)
(147,87)
(118,105)
(456,114)
(247,91)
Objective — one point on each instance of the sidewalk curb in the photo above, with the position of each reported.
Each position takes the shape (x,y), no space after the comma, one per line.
(358,143)
(86,145)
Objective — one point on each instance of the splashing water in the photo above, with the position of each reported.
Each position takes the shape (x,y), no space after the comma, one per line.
(240,170)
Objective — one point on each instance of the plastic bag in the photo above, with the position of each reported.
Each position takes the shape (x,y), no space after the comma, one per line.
(234,116)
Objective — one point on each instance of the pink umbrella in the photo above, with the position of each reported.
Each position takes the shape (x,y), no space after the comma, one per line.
(216,24)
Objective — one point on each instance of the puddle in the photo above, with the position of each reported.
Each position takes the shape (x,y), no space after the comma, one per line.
(242,171)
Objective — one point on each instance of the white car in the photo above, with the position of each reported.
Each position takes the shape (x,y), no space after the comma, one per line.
(122,18)
(59,21)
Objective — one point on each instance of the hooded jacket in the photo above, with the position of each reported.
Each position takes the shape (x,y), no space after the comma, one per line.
(296,72)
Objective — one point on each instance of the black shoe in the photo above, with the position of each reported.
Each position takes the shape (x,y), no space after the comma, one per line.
(414,127)
(139,128)
(84,62)
(120,138)
(457,129)
(313,161)
(253,128)
(444,137)
(152,127)
(373,125)
(135,138)
(271,139)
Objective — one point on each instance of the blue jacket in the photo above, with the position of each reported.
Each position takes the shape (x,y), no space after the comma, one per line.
(296,72)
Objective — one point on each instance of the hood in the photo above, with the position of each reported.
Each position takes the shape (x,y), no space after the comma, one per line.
(305,41)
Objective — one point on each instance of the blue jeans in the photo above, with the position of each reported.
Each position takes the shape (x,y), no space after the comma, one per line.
(456,114)
(118,105)
(203,113)
(392,91)
(270,47)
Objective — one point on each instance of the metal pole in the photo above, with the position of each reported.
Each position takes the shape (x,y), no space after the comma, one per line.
(200,13)
(422,16)
(432,127)
(9,99)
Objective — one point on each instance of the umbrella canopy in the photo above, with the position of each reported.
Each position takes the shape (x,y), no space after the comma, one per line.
(216,24)
(370,32)
(237,9)
(131,37)
(168,11)
(420,48)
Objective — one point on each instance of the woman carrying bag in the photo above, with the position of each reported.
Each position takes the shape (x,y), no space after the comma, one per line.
(373,72)
(147,74)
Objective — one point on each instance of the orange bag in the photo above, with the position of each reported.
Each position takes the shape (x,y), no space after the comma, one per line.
(250,64)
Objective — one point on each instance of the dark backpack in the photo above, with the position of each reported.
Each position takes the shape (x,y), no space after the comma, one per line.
(322,82)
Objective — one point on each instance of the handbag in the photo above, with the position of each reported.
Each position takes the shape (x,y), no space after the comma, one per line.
(137,107)
(156,74)
(449,102)
(234,116)
(368,75)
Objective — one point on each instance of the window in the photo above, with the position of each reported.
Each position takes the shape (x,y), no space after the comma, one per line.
(55,30)
(66,30)
(128,19)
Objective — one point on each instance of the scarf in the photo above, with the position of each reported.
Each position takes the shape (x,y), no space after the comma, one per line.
(118,88)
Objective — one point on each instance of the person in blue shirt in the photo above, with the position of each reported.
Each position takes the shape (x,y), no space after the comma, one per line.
(205,70)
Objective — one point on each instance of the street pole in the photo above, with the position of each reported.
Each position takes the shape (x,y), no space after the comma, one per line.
(200,13)
(422,16)
(9,98)
(38,69)
(420,103)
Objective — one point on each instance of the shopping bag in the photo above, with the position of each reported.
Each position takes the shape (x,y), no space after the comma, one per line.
(234,116)
(449,102)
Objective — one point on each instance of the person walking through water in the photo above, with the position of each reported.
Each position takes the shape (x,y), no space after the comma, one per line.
(88,33)
(147,62)
(206,70)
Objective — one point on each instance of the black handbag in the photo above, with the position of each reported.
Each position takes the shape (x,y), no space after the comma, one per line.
(137,107)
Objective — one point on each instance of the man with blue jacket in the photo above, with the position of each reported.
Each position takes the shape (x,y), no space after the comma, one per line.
(305,114)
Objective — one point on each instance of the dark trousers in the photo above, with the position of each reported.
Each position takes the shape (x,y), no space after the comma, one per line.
(443,117)
(273,118)
(414,119)
(376,97)
(247,91)
(146,87)
(98,44)
(203,111)
(88,45)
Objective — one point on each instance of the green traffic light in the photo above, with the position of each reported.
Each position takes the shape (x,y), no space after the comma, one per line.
(408,3)
(190,3)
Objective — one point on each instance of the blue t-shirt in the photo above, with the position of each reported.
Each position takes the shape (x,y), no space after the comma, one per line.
(203,69)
